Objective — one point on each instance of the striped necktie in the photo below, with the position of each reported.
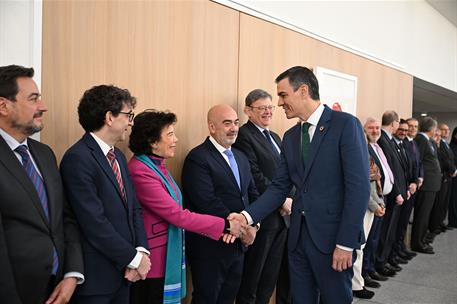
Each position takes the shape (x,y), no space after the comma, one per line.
(117,173)
(38,183)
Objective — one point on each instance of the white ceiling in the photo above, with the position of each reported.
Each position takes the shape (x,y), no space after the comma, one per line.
(447,8)
(429,97)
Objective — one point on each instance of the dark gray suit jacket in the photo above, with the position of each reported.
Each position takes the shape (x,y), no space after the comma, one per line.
(26,236)
(430,163)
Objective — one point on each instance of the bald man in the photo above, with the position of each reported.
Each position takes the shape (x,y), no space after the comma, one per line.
(217,180)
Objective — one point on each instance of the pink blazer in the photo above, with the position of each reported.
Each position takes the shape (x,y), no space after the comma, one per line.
(159,209)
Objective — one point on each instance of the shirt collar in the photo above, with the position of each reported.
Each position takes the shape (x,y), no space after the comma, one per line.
(103,145)
(259,127)
(387,133)
(219,148)
(316,116)
(11,141)
(425,135)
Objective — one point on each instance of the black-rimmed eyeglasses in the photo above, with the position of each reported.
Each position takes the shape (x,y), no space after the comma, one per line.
(264,108)
(130,114)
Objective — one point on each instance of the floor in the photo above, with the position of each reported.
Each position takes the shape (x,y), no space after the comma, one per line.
(426,279)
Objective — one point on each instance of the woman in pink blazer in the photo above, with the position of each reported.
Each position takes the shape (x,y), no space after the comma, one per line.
(153,141)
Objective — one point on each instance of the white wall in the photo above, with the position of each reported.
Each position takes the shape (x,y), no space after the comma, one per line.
(20,35)
(409,35)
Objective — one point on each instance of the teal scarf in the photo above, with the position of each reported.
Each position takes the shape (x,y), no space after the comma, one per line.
(175,267)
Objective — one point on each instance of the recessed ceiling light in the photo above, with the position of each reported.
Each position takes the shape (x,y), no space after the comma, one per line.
(423,114)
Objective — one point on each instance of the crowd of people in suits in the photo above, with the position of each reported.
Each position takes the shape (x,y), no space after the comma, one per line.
(317,216)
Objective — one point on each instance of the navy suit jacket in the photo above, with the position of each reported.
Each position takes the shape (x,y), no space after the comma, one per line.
(332,189)
(210,187)
(111,228)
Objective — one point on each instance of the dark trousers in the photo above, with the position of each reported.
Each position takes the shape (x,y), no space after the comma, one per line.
(388,233)
(121,296)
(149,291)
(453,204)
(312,276)
(440,207)
(402,227)
(422,210)
(216,280)
(283,292)
(371,247)
(262,263)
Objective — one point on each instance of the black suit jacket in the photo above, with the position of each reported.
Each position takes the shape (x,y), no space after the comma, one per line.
(378,163)
(430,163)
(264,162)
(209,187)
(415,159)
(395,163)
(26,236)
(111,228)
(447,159)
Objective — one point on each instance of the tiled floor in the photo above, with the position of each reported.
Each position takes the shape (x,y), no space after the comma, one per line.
(426,279)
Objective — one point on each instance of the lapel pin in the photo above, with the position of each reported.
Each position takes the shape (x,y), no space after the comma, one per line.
(321,128)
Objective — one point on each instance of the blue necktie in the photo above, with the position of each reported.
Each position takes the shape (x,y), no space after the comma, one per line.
(270,140)
(41,190)
(233,166)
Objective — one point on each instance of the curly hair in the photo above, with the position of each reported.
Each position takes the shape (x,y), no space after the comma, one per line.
(99,100)
(147,129)
(8,79)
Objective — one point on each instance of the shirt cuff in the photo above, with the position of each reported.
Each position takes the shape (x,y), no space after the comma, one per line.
(135,263)
(248,217)
(78,276)
(344,248)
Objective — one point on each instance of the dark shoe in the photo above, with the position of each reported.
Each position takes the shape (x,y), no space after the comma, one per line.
(450,227)
(395,268)
(404,255)
(410,253)
(386,272)
(426,250)
(369,282)
(363,294)
(400,260)
(378,277)
(429,238)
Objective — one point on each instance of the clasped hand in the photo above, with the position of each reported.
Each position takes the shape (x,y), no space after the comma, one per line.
(141,272)
(239,228)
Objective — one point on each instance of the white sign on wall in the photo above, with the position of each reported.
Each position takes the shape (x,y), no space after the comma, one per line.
(337,90)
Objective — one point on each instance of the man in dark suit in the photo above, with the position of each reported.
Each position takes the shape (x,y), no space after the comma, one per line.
(326,158)
(448,169)
(217,180)
(262,147)
(40,252)
(99,189)
(432,183)
(394,200)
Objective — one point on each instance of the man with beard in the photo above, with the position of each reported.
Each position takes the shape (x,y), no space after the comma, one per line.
(217,180)
(40,253)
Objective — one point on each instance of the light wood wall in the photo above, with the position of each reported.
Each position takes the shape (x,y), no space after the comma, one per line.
(185,56)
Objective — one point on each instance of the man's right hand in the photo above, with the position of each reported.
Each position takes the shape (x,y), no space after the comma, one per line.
(239,217)
(145,266)
(399,199)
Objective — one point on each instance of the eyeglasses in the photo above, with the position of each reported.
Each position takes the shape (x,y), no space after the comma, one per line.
(402,130)
(130,114)
(264,108)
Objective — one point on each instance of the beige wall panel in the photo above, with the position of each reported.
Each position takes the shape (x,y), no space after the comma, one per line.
(267,49)
(176,55)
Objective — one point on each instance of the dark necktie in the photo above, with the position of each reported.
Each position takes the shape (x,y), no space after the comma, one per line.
(270,140)
(38,183)
(305,141)
(117,173)
(233,166)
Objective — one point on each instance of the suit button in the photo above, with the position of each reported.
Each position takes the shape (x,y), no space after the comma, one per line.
(303,212)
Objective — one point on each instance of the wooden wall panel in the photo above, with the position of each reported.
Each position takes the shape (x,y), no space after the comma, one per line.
(267,49)
(176,55)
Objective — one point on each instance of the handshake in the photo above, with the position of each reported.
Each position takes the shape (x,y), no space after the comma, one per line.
(239,228)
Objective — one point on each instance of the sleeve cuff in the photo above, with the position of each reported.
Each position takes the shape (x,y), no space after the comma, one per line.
(78,276)
(136,260)
(248,217)
(344,248)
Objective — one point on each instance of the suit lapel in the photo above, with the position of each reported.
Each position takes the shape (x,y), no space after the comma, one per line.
(12,164)
(319,134)
(102,161)
(220,159)
(262,140)
(294,146)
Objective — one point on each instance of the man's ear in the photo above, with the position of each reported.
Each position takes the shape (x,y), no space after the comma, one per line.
(3,106)
(211,127)
(247,110)
(109,118)
(304,91)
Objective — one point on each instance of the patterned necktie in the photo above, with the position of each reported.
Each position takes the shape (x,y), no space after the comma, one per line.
(38,183)
(233,166)
(305,141)
(383,160)
(117,173)
(270,140)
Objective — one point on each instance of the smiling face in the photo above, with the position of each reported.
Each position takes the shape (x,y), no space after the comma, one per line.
(120,124)
(260,112)
(373,131)
(401,131)
(166,145)
(413,126)
(293,102)
(25,114)
(223,124)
